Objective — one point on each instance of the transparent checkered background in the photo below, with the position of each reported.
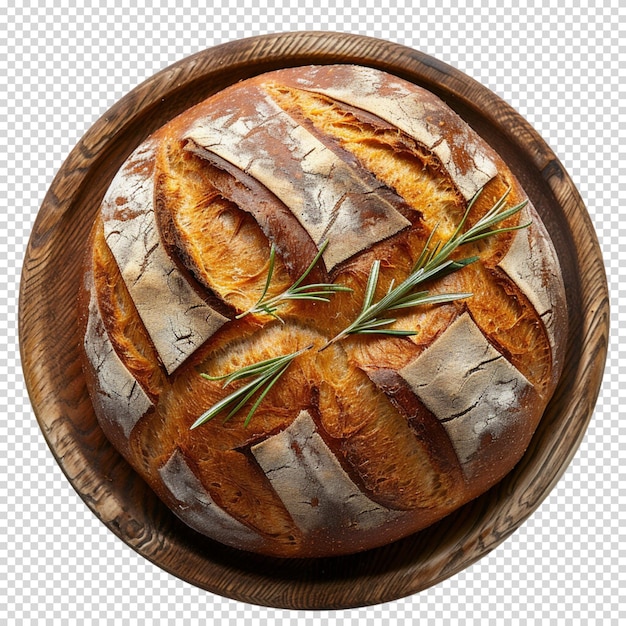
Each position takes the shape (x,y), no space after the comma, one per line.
(62,68)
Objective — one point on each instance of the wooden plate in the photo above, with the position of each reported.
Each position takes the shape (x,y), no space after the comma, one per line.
(50,339)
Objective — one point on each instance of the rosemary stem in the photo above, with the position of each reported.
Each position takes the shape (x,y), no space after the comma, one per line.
(267,373)
(433,263)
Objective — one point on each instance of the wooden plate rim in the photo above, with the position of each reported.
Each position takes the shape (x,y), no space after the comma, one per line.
(270,585)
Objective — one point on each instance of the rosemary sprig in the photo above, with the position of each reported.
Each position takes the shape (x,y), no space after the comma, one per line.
(368,321)
(432,263)
(430,258)
(266,375)
(316,291)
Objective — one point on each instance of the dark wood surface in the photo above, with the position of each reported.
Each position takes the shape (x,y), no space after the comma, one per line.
(49,338)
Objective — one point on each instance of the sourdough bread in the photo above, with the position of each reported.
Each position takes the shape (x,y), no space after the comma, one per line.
(361,441)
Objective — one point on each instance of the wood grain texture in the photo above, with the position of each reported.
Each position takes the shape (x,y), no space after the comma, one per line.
(50,338)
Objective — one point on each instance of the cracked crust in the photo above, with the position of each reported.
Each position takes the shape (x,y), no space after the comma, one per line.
(327,197)
(121,401)
(176,317)
(318,493)
(532,264)
(475,393)
(375,437)
(414,111)
(194,505)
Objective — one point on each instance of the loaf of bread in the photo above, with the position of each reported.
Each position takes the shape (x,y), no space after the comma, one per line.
(372,431)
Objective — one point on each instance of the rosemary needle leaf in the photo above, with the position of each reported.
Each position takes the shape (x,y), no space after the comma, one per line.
(388,331)
(497,231)
(454,266)
(266,374)
(316,292)
(256,385)
(372,281)
(480,230)
(222,404)
(375,323)
(313,263)
(425,256)
(270,271)
(433,262)
(439,298)
(261,397)
(245,372)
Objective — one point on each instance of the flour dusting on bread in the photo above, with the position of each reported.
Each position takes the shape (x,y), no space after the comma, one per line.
(247,344)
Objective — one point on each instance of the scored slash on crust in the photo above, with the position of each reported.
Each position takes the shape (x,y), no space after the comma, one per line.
(433,263)
(338,221)
(167,304)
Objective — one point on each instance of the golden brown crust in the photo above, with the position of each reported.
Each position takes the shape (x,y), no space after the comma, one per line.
(373,437)
(119,316)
